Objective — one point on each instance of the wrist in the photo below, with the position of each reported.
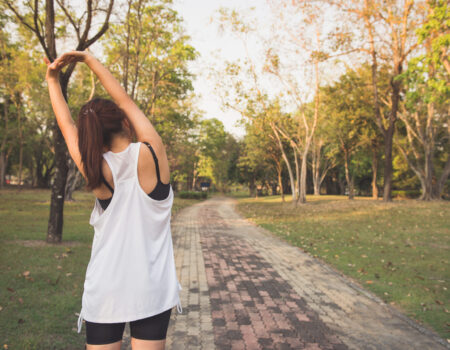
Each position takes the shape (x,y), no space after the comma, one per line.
(52,80)
(88,59)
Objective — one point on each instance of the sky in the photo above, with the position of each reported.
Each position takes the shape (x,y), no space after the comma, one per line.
(211,44)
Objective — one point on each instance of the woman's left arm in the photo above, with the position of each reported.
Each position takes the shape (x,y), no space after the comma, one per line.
(62,113)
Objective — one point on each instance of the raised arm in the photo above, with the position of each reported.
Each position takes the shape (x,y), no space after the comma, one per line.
(143,127)
(62,113)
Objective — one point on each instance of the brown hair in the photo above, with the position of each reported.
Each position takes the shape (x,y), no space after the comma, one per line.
(98,121)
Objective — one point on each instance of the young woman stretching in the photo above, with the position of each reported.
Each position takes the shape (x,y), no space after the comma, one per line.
(131,274)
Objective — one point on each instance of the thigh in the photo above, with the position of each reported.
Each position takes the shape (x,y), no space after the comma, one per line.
(151,328)
(103,333)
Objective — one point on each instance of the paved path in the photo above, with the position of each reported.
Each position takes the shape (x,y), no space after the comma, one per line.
(243,288)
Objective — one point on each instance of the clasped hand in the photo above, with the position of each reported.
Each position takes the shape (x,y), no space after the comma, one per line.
(54,67)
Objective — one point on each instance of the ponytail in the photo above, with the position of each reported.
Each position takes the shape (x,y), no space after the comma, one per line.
(98,120)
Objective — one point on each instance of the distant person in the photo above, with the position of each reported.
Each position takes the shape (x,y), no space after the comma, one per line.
(131,274)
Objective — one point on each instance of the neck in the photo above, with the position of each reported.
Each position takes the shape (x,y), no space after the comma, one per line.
(118,144)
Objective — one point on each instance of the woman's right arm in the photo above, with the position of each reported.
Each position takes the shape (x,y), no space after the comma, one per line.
(142,126)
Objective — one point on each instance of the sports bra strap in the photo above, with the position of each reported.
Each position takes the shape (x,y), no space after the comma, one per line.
(155,159)
(107,184)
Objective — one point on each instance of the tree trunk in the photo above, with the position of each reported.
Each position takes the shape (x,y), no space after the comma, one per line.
(19,125)
(374,170)
(280,179)
(55,222)
(297,171)
(286,160)
(439,188)
(428,190)
(2,168)
(388,139)
(302,196)
(74,178)
(348,177)
(315,164)
(252,187)
(56,219)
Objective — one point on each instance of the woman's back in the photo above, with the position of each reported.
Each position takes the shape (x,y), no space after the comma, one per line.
(153,174)
(149,174)
(131,273)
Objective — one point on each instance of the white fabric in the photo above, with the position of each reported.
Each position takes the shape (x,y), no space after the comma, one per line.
(131,273)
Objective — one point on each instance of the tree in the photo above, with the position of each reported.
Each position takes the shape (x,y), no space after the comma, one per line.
(216,148)
(30,16)
(261,154)
(305,38)
(389,27)
(426,111)
(349,114)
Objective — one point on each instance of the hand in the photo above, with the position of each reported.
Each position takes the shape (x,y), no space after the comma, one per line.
(54,67)
(52,71)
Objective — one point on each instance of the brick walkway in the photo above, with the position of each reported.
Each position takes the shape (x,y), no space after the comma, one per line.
(246,289)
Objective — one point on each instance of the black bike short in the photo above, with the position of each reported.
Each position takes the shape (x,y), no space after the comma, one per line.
(150,328)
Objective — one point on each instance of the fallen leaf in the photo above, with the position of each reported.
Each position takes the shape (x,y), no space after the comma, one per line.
(369,282)
(11,290)
(439,302)
(20,320)
(20,300)
(69,274)
(26,273)
(59,267)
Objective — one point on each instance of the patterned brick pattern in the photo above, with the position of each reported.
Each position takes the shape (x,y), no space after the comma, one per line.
(252,306)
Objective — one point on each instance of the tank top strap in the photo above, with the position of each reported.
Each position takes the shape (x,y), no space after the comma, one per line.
(107,184)
(155,159)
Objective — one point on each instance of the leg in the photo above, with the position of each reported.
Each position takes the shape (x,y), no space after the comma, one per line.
(150,333)
(111,346)
(139,344)
(104,336)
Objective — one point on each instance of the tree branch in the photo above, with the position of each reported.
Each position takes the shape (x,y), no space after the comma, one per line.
(67,13)
(103,29)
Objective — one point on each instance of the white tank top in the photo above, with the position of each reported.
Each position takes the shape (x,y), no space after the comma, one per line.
(131,273)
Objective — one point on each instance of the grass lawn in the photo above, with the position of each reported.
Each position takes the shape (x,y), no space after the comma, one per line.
(398,250)
(41,285)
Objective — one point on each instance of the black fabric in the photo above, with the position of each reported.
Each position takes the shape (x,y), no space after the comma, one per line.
(160,192)
(107,184)
(105,202)
(150,328)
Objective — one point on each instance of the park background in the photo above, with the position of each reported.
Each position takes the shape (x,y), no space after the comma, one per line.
(326,120)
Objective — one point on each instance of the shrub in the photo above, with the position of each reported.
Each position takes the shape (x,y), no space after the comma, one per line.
(192,195)
(406,193)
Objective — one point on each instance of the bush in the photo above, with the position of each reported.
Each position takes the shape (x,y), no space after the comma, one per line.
(406,193)
(192,195)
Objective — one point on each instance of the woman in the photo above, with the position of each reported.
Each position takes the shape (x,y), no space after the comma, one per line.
(131,275)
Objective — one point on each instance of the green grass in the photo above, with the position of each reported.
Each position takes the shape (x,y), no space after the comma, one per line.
(398,250)
(41,285)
